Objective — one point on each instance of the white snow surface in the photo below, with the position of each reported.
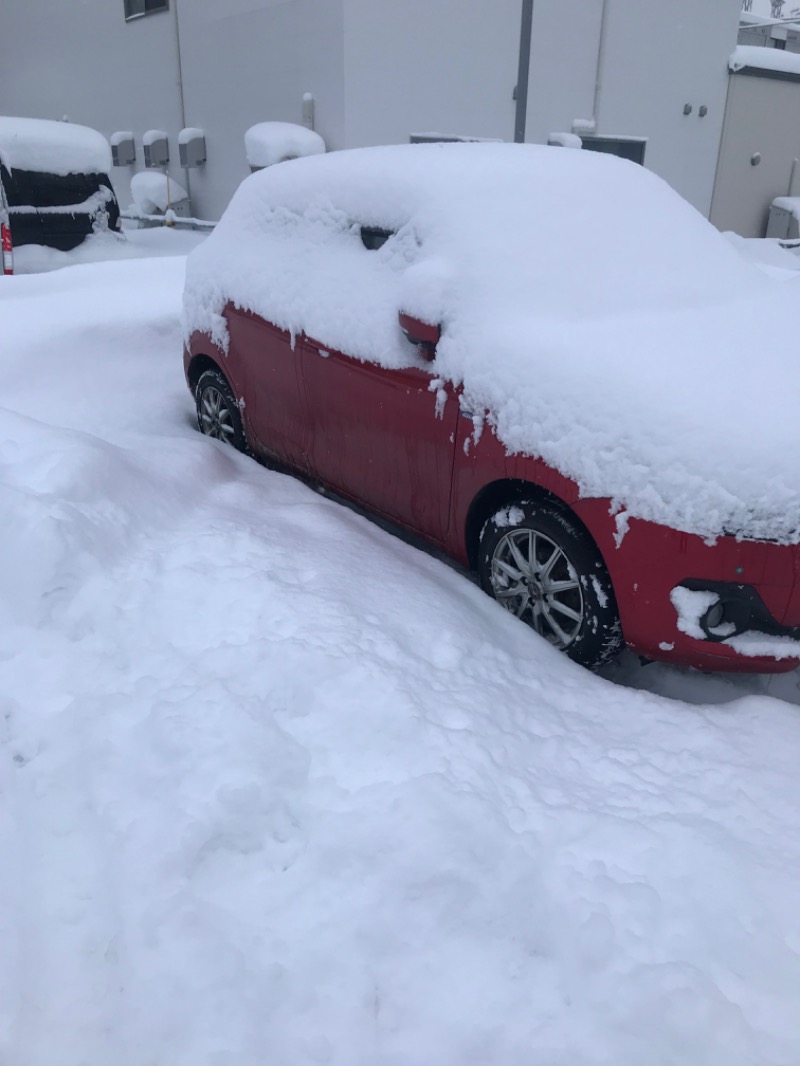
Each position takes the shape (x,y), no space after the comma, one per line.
(135,244)
(267,143)
(52,147)
(754,55)
(599,319)
(153,192)
(276,787)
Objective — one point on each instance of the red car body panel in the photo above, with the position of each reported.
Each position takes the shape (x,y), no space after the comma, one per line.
(399,444)
(377,437)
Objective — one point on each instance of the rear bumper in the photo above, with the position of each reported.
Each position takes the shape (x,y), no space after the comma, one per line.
(759,581)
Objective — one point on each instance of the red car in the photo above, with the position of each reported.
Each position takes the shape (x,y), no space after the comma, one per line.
(404,442)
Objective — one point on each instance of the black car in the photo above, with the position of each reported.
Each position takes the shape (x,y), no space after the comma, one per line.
(55,180)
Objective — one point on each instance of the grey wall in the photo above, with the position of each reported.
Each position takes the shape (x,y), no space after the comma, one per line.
(763,117)
(659,57)
(248,61)
(421,66)
(84,61)
(380,70)
(243,61)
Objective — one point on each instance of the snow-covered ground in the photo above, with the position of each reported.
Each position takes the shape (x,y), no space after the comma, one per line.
(276,787)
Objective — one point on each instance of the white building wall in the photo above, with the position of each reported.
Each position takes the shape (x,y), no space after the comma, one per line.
(421,66)
(379,71)
(248,61)
(563,66)
(659,57)
(84,61)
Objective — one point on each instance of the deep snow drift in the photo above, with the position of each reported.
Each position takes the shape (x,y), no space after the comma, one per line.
(275,787)
(600,320)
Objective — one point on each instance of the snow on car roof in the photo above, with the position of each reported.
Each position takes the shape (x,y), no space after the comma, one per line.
(601,322)
(52,147)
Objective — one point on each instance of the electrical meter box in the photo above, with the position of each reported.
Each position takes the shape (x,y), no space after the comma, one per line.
(123,148)
(192,147)
(156,148)
(783,218)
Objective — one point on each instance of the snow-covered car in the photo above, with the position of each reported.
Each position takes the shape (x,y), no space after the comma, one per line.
(55,181)
(544,362)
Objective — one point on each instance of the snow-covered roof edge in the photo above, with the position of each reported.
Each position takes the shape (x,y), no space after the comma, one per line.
(754,57)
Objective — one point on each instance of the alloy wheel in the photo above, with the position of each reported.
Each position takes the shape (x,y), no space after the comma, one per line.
(532,577)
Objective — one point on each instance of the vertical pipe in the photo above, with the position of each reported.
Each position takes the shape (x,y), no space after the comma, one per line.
(186,174)
(521,114)
(601,51)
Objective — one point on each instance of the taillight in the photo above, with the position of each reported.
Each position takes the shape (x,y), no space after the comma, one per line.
(8,251)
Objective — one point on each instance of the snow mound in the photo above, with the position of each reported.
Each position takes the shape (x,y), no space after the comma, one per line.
(267,143)
(599,319)
(278,788)
(53,147)
(153,192)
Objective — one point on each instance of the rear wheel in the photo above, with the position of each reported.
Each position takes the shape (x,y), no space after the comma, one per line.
(537,562)
(218,413)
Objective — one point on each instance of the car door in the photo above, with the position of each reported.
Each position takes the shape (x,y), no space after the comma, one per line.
(267,364)
(384,438)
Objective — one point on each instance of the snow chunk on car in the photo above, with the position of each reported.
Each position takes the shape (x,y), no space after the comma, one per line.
(596,317)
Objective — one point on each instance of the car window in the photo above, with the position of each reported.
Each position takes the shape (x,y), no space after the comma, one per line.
(28,188)
(373,237)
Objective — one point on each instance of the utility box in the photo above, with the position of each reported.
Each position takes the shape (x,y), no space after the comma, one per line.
(123,148)
(783,218)
(192,147)
(156,148)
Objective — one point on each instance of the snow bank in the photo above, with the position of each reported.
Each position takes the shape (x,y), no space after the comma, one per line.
(753,55)
(153,192)
(278,788)
(53,147)
(102,247)
(601,321)
(273,142)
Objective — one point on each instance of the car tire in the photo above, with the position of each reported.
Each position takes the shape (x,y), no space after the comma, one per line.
(564,593)
(218,413)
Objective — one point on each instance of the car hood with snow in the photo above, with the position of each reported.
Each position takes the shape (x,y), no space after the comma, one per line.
(596,317)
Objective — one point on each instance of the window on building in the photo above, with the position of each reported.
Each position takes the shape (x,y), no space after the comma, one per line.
(134,9)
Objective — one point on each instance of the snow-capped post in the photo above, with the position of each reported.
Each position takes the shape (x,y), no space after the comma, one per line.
(267,143)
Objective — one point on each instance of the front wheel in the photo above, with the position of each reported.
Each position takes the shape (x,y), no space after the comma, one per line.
(218,413)
(537,562)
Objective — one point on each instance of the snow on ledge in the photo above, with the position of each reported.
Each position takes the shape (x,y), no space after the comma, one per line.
(274,142)
(758,58)
(43,145)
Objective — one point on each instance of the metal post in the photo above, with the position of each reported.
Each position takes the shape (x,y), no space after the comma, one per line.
(524,69)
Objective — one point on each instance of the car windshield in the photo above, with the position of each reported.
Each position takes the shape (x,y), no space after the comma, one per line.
(29,188)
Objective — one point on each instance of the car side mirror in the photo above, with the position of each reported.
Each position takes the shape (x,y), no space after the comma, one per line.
(423,334)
